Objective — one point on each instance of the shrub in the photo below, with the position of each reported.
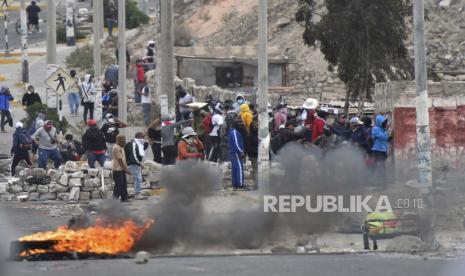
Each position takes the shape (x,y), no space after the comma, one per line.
(51,114)
(83,58)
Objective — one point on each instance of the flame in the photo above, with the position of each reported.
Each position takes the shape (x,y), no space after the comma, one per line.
(99,239)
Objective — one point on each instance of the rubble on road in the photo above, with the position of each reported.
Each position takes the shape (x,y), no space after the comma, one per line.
(73,182)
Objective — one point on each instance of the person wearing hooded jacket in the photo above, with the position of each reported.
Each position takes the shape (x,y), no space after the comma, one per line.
(93,141)
(381,137)
(247,116)
(22,144)
(217,122)
(236,155)
(240,100)
(190,146)
(88,97)
(5,99)
(30,97)
(110,130)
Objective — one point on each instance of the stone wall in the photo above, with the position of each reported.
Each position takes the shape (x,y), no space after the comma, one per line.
(72,182)
(447,120)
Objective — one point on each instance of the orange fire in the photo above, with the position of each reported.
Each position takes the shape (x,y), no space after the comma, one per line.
(98,239)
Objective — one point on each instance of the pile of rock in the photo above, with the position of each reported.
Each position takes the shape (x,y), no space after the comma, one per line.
(72,182)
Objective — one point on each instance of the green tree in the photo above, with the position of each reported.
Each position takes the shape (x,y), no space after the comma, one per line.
(363,39)
(134,17)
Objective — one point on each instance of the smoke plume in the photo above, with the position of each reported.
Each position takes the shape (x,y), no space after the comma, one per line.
(180,218)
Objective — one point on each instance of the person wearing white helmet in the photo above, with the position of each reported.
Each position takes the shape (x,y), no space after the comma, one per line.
(22,144)
(190,146)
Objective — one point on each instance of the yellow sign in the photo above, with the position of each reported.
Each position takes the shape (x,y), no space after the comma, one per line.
(60,81)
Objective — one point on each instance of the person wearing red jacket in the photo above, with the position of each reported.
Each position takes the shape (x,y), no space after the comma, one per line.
(317,127)
(190,146)
(139,80)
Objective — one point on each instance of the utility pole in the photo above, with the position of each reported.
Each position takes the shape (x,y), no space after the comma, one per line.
(51,41)
(70,35)
(5,25)
(24,62)
(166,52)
(122,97)
(101,19)
(96,40)
(423,129)
(262,99)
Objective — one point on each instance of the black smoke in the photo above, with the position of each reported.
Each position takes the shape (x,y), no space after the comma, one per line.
(180,218)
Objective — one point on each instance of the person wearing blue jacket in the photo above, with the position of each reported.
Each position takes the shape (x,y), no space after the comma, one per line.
(381,137)
(236,155)
(5,99)
(22,144)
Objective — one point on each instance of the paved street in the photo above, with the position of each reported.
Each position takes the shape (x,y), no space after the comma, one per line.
(15,40)
(320,265)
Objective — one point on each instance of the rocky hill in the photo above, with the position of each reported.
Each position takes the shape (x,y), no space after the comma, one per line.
(234,22)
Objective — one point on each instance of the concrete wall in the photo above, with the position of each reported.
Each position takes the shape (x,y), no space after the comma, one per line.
(447,119)
(204,72)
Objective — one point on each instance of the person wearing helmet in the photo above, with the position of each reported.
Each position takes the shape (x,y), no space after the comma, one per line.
(48,145)
(22,144)
(110,130)
(30,97)
(190,146)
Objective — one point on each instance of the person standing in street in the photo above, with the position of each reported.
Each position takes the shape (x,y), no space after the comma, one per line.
(146,103)
(111,15)
(93,141)
(236,155)
(381,137)
(73,94)
(30,97)
(111,75)
(110,130)
(22,144)
(154,134)
(184,99)
(246,116)
(135,152)
(46,137)
(5,99)
(88,97)
(33,17)
(217,122)
(190,146)
(150,54)
(120,169)
(168,139)
(139,80)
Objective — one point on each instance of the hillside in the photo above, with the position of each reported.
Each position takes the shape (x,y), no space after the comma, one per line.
(234,22)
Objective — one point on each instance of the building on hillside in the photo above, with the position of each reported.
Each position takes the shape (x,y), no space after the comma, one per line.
(233,68)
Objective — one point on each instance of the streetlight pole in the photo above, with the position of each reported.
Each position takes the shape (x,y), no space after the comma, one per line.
(166,52)
(70,35)
(263,131)
(122,98)
(422,126)
(51,41)
(96,39)
(24,61)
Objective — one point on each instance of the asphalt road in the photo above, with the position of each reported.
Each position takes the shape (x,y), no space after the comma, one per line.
(14,39)
(320,265)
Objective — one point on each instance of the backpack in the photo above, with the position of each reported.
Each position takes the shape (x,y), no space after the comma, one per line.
(106,99)
(25,141)
(207,124)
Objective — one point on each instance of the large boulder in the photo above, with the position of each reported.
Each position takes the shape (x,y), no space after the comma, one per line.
(74,194)
(34,197)
(56,188)
(42,189)
(39,172)
(63,180)
(48,196)
(84,196)
(30,188)
(70,166)
(75,182)
(4,187)
(54,175)
(15,189)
